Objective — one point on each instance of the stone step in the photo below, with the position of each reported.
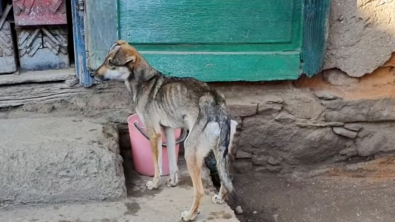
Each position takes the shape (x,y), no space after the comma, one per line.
(142,205)
(55,160)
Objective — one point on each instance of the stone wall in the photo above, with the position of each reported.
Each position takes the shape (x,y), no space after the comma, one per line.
(312,121)
(328,118)
(346,111)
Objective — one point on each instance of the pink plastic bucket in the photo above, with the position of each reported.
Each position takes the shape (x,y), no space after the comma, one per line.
(141,149)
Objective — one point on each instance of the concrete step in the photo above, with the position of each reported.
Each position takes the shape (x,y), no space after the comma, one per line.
(142,205)
(56,160)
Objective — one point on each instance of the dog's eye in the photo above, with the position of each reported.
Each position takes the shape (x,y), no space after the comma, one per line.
(110,64)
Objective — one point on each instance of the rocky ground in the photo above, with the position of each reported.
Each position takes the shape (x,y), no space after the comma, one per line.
(363,192)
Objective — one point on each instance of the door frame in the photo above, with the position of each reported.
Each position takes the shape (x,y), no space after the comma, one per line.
(80,55)
(100,24)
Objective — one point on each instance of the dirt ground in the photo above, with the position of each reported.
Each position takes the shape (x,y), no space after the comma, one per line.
(363,192)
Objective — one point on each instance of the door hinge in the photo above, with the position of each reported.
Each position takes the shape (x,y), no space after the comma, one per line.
(81,5)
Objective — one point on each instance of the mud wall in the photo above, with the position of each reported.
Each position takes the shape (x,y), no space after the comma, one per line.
(329,118)
(345,112)
(361,35)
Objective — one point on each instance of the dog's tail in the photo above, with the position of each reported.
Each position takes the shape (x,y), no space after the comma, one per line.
(222,157)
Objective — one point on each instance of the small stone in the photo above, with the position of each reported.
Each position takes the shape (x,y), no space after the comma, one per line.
(273,161)
(375,139)
(363,110)
(325,95)
(28,108)
(338,78)
(268,109)
(334,124)
(349,152)
(46,108)
(260,169)
(275,217)
(285,117)
(243,155)
(72,82)
(259,160)
(303,105)
(64,173)
(254,212)
(272,99)
(242,110)
(345,132)
(350,149)
(274,169)
(353,126)
(239,210)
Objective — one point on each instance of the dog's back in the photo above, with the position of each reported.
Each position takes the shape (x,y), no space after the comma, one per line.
(181,102)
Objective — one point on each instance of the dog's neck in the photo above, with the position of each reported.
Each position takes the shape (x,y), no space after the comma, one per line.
(139,76)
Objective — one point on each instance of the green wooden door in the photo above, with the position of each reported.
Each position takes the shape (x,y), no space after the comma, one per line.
(212,40)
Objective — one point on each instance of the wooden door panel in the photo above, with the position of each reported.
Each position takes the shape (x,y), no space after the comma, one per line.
(216,40)
(221,67)
(213,40)
(207,22)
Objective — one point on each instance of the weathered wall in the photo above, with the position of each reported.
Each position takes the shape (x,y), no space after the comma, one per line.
(361,35)
(328,118)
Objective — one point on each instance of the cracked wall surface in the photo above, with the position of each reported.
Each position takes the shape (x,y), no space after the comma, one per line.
(361,35)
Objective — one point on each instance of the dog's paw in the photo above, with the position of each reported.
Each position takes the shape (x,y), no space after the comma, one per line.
(151,185)
(186,216)
(171,183)
(217,199)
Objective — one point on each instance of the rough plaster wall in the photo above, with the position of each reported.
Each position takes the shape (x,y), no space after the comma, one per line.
(361,35)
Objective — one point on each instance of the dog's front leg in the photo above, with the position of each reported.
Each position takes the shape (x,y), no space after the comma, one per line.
(171,152)
(156,144)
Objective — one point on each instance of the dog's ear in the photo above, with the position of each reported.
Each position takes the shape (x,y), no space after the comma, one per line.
(123,55)
(117,43)
(121,42)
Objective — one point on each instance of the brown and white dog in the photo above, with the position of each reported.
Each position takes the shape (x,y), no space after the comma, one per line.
(168,103)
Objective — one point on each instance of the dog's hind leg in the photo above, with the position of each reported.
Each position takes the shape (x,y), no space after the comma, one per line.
(156,144)
(171,152)
(194,168)
(197,146)
(220,197)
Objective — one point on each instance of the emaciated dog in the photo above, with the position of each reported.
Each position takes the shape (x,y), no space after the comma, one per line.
(168,103)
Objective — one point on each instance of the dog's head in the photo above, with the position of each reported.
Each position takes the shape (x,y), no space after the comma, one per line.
(119,63)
